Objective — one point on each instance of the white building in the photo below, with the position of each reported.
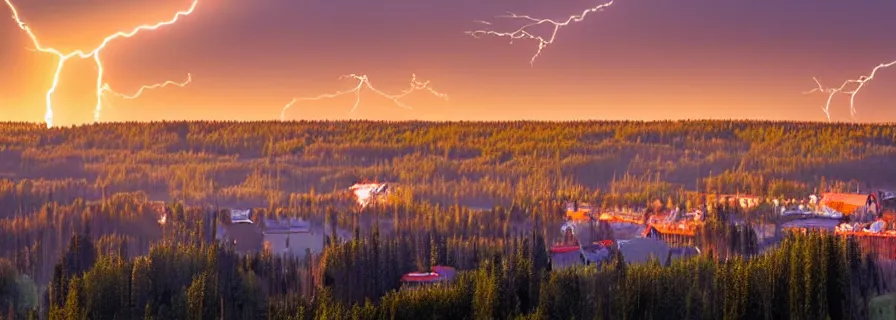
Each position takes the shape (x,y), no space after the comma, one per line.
(367,193)
(292,237)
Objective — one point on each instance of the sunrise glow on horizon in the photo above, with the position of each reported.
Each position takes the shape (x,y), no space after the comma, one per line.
(638,60)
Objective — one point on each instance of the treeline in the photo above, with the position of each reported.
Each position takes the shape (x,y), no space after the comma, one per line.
(476,164)
(124,223)
(812,277)
(18,293)
(128,224)
(808,277)
(171,282)
(483,197)
(366,268)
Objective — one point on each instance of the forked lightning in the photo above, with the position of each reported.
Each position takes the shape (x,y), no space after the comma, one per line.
(523,31)
(858,83)
(364,82)
(95,54)
(149,87)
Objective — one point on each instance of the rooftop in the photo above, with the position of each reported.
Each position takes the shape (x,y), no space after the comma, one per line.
(240,216)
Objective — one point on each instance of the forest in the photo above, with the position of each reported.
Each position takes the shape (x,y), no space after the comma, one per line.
(80,236)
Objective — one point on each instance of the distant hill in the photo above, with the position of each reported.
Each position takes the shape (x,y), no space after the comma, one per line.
(475,162)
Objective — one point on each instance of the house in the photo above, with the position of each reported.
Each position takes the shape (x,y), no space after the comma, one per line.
(884,202)
(575,206)
(741,200)
(240,232)
(240,216)
(747,202)
(367,193)
(846,204)
(438,275)
(292,236)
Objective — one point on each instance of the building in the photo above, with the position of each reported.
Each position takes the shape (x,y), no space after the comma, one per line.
(576,206)
(160,209)
(884,202)
(241,216)
(847,204)
(741,200)
(240,232)
(367,193)
(438,275)
(292,236)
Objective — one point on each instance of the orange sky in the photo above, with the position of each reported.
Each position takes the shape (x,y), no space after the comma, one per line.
(640,60)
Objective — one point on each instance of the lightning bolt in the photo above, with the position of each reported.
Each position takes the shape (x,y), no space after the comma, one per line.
(95,54)
(523,31)
(858,83)
(107,88)
(288,105)
(364,82)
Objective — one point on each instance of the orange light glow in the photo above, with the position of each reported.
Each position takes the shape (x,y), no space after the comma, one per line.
(94,53)
(578,215)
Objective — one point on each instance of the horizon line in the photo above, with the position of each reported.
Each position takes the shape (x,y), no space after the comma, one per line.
(302,121)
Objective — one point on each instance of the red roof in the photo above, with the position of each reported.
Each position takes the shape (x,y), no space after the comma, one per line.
(844,202)
(849,198)
(439,273)
(564,248)
(420,277)
(738,196)
(606,243)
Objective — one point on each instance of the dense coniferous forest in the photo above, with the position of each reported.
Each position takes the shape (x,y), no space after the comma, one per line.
(80,236)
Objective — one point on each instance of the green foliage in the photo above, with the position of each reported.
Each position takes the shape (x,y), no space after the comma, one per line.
(701,288)
(79,220)
(268,164)
(18,294)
